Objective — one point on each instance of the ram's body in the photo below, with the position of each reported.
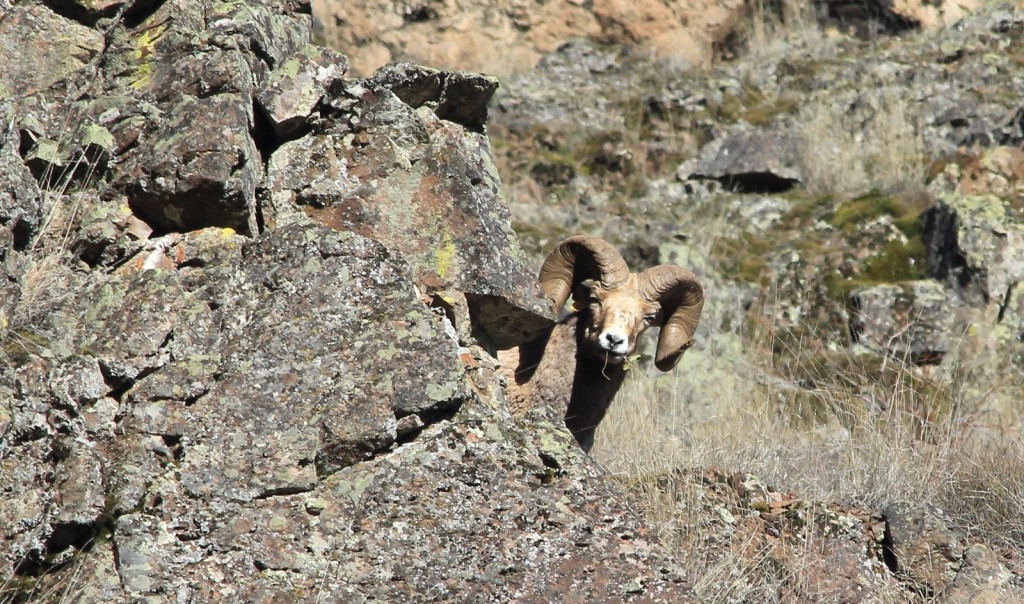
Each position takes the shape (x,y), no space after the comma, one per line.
(575,370)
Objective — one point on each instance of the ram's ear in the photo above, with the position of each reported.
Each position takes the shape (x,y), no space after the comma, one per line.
(582,294)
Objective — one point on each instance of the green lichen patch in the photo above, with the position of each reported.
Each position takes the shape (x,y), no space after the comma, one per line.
(445,255)
(824,230)
(145,50)
(897,261)
(853,214)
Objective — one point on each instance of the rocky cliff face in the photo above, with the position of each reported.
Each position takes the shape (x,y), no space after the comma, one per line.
(248,302)
(246,310)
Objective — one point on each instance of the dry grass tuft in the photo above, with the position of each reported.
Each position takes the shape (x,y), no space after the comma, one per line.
(52,586)
(776,24)
(872,144)
(46,285)
(49,274)
(849,431)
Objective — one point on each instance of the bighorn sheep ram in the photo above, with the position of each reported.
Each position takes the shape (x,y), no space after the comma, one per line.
(576,369)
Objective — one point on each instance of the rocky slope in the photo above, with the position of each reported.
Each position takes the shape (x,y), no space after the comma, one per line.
(855,210)
(249,303)
(873,190)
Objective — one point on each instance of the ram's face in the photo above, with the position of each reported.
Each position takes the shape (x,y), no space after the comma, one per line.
(613,319)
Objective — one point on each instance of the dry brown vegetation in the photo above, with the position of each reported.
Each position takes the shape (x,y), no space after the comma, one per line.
(775,23)
(873,145)
(856,429)
(49,280)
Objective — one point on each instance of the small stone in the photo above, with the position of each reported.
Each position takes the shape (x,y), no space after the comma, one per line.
(409,424)
(315,506)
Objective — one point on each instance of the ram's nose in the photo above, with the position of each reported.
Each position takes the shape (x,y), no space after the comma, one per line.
(614,342)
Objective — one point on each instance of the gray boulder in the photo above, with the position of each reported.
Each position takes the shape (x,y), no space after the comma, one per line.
(407,168)
(748,162)
(273,433)
(977,243)
(912,321)
(925,550)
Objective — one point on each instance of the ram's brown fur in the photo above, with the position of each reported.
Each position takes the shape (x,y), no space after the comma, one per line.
(575,370)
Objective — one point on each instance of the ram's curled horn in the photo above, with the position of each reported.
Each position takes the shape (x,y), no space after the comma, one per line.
(577,259)
(681,297)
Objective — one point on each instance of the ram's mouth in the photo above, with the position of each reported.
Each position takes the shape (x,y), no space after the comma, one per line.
(614,358)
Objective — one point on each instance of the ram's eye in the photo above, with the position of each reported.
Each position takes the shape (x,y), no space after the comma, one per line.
(650,318)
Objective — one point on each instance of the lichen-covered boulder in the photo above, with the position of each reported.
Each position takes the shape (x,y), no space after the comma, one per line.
(177,115)
(164,341)
(404,161)
(912,321)
(59,48)
(422,524)
(977,243)
(927,551)
(748,162)
(197,164)
(291,91)
(158,102)
(982,578)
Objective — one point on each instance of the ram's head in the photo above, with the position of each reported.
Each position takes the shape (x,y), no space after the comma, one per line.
(615,306)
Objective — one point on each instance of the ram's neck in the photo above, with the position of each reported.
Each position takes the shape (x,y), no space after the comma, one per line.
(548,366)
(595,384)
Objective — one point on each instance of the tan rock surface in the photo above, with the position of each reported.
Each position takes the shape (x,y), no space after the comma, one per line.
(934,15)
(511,35)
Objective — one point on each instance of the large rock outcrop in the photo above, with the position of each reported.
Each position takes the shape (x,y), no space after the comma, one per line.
(412,169)
(246,306)
(242,425)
